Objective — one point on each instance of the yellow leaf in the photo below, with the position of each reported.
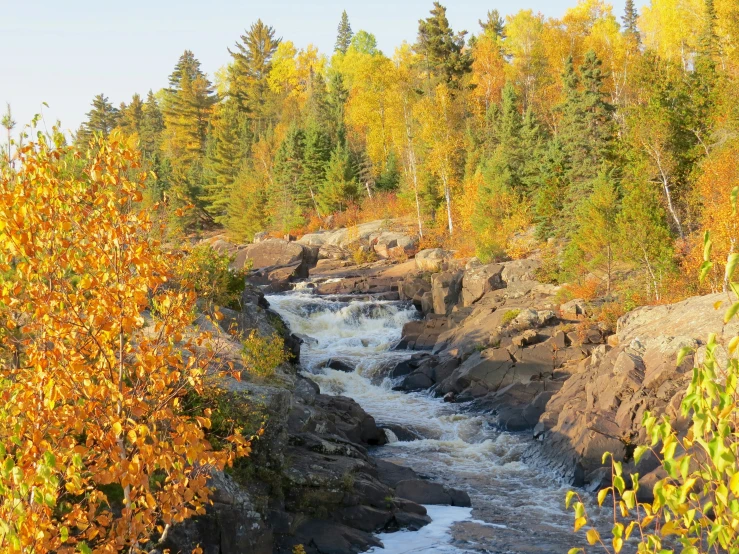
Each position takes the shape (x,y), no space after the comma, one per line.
(734,484)
(579,522)
(593,536)
(117,428)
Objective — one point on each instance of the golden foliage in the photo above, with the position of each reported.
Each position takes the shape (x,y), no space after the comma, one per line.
(97,454)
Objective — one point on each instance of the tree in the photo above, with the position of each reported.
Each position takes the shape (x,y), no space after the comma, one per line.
(315,159)
(494,26)
(103,118)
(131,116)
(594,243)
(8,123)
(443,52)
(525,47)
(96,352)
(440,116)
(152,125)
(289,198)
(630,20)
(340,184)
(248,83)
(223,159)
(344,34)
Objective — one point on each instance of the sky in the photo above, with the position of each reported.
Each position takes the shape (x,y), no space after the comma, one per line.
(65,52)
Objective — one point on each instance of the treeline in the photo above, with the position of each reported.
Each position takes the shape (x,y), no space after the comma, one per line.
(617,142)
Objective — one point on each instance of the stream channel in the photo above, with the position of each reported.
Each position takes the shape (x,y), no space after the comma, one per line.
(517,507)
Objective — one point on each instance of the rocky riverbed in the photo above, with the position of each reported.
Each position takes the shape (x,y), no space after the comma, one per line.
(427,384)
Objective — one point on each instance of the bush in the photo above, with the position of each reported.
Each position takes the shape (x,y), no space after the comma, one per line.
(697,504)
(209,274)
(262,355)
(509,316)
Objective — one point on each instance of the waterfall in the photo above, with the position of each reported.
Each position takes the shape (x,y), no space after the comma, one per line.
(516,508)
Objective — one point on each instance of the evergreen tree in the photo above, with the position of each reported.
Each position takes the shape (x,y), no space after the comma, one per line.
(336,99)
(593,245)
(223,160)
(344,36)
(389,178)
(289,198)
(252,63)
(549,197)
(316,154)
(103,118)
(187,67)
(131,115)
(587,129)
(443,52)
(340,185)
(631,21)
(152,125)
(247,214)
(494,25)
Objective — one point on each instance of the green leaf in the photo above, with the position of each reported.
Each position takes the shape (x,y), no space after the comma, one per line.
(707,245)
(575,551)
(639,452)
(731,312)
(705,268)
(82,547)
(684,351)
(731,266)
(734,193)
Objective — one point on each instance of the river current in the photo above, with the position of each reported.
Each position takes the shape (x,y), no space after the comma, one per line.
(517,507)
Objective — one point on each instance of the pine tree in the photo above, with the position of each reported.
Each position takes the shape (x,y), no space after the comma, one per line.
(247,213)
(443,51)
(187,67)
(340,184)
(344,36)
(494,25)
(252,63)
(336,99)
(549,197)
(102,119)
(631,20)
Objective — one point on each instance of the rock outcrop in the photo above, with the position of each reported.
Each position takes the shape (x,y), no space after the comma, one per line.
(310,480)
(601,407)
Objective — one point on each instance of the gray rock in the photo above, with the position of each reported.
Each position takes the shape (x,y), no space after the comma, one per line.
(431,259)
(427,492)
(476,281)
(445,290)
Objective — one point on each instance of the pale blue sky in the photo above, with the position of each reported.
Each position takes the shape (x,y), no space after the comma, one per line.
(65,52)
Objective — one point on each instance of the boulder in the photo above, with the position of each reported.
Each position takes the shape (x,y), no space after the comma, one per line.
(427,492)
(270,253)
(519,270)
(478,280)
(445,290)
(574,309)
(431,259)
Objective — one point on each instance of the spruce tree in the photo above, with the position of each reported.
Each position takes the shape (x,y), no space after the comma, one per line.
(340,184)
(442,51)
(316,154)
(152,125)
(593,245)
(344,34)
(102,119)
(631,20)
(289,197)
(132,115)
(252,63)
(247,213)
(223,160)
(187,67)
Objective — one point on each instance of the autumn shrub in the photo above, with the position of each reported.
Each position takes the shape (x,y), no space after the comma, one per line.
(97,351)
(262,355)
(696,506)
(363,255)
(209,274)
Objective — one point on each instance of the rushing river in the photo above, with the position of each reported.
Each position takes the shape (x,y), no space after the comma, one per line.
(517,508)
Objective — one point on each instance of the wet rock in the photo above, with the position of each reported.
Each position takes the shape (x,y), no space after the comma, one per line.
(391,474)
(329,537)
(340,365)
(414,382)
(427,492)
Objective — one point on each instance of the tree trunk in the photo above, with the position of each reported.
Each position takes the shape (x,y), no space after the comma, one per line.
(448,198)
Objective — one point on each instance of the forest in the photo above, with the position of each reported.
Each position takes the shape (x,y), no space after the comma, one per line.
(613,136)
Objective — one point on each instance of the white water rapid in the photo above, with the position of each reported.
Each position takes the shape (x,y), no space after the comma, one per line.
(516,508)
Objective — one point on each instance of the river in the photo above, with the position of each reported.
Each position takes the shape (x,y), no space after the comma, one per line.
(517,507)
